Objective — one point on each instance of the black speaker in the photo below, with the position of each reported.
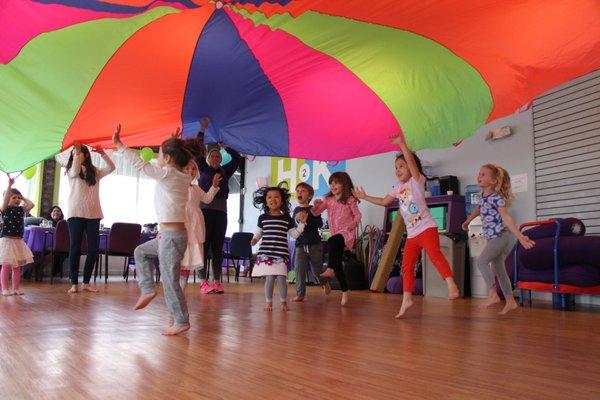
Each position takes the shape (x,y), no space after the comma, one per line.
(447,183)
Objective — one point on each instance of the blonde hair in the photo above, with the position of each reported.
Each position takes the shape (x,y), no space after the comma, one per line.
(502,186)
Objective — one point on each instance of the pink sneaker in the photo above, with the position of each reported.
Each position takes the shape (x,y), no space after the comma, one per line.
(206,288)
(218,288)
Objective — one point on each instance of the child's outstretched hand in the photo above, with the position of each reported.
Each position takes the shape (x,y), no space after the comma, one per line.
(302,216)
(398,140)
(526,242)
(204,123)
(177,133)
(11,180)
(99,150)
(465,225)
(77,147)
(217,180)
(359,193)
(116,136)
(317,202)
(253,241)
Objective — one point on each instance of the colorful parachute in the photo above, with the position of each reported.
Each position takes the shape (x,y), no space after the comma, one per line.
(316,79)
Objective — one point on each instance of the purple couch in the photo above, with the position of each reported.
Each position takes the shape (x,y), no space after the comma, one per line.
(578,259)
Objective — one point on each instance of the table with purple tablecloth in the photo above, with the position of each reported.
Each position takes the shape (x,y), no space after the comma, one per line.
(40,240)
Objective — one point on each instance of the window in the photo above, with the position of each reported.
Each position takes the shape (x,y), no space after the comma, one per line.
(128,196)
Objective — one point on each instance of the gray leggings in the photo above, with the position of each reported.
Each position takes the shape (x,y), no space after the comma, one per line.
(169,249)
(494,253)
(270,287)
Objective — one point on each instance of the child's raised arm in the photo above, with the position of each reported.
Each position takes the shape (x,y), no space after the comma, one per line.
(7,194)
(408,155)
(151,170)
(360,193)
(27,205)
(110,165)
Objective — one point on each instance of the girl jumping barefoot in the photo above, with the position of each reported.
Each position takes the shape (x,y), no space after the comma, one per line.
(421,228)
(273,227)
(497,197)
(343,216)
(170,198)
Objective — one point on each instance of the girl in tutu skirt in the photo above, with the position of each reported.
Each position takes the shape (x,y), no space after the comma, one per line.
(273,227)
(194,223)
(14,253)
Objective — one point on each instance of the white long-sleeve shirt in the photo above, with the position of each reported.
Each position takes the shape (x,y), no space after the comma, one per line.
(84,200)
(171,192)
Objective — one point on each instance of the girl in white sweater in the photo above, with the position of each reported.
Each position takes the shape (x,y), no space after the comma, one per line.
(170,198)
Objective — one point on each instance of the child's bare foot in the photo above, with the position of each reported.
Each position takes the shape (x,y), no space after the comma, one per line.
(453,291)
(269,306)
(86,287)
(327,288)
(407,302)
(509,306)
(491,300)
(175,330)
(73,289)
(144,300)
(328,273)
(298,299)
(7,293)
(284,306)
(18,292)
(344,298)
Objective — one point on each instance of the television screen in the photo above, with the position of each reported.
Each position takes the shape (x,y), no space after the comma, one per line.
(439,212)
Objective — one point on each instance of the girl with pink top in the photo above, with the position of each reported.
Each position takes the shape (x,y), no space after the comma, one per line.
(194,222)
(343,218)
(421,228)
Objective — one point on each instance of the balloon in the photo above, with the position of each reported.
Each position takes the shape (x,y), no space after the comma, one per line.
(311,79)
(30,172)
(225,157)
(146,154)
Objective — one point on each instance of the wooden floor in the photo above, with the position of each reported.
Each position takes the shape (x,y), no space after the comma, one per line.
(93,346)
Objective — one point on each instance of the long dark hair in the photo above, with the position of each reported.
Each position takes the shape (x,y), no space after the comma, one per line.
(260,198)
(49,215)
(417,161)
(347,185)
(90,171)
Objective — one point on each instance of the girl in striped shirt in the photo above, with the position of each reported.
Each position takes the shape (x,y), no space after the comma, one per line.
(273,227)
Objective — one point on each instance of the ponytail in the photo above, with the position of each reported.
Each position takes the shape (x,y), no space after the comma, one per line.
(503,186)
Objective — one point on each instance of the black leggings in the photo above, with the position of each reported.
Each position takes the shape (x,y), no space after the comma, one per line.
(91,228)
(216,227)
(336,245)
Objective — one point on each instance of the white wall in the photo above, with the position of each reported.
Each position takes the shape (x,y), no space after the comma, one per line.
(376,173)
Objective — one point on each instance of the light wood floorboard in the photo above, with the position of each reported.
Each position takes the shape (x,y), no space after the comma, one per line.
(94,346)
